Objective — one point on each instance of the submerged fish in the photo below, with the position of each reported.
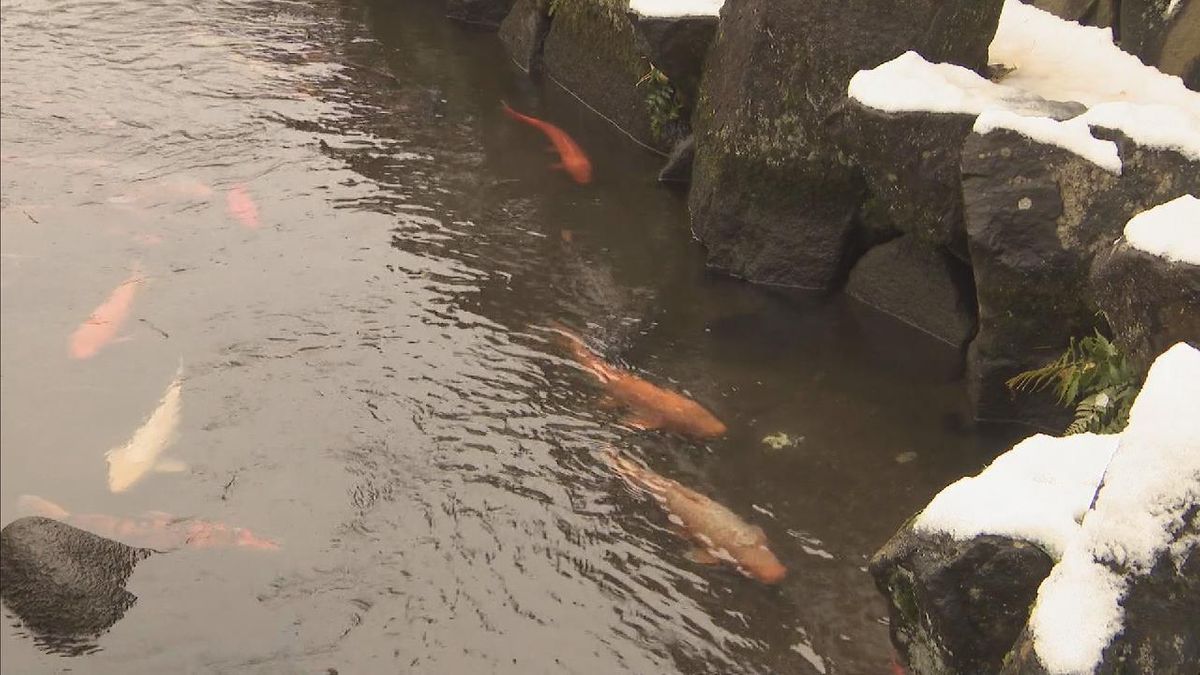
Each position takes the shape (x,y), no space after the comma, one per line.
(143,451)
(651,407)
(573,160)
(156,530)
(102,325)
(719,532)
(242,207)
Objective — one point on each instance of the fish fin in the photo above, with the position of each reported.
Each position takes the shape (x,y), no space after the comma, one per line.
(41,507)
(170,466)
(701,556)
(558,165)
(640,422)
(607,402)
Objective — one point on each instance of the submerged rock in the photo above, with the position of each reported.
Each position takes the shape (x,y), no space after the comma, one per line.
(67,585)
(483,12)
(1164,34)
(774,198)
(523,31)
(1037,215)
(922,286)
(957,606)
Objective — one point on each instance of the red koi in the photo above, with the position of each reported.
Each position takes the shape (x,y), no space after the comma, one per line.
(102,326)
(242,207)
(574,161)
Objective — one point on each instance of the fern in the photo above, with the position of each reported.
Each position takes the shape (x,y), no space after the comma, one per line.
(662,101)
(1091,375)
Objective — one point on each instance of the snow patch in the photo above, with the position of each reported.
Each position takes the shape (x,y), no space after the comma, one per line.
(1073,135)
(1170,230)
(676,7)
(1036,492)
(1153,478)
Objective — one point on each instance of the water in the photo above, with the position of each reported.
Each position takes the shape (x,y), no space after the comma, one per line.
(365,380)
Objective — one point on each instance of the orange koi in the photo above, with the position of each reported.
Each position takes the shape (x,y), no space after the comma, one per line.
(156,530)
(573,160)
(242,207)
(720,534)
(651,406)
(102,326)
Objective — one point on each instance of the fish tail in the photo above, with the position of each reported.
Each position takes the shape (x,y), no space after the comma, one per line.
(582,353)
(37,506)
(629,471)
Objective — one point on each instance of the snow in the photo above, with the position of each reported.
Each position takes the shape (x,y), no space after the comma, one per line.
(1036,492)
(676,7)
(1152,480)
(1051,60)
(1170,230)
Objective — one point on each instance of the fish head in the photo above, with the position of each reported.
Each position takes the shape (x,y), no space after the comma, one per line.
(760,563)
(580,170)
(703,424)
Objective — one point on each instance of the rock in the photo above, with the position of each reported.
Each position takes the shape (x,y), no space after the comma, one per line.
(774,198)
(1087,12)
(594,52)
(678,168)
(922,286)
(1167,41)
(524,31)
(911,164)
(482,12)
(65,584)
(1036,217)
(957,606)
(1150,302)
(678,45)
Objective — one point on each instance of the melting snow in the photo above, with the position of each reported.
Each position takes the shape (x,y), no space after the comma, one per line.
(1170,230)
(676,7)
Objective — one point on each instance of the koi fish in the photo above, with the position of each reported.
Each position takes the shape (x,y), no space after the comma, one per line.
(720,534)
(142,452)
(102,326)
(156,530)
(242,207)
(651,406)
(573,161)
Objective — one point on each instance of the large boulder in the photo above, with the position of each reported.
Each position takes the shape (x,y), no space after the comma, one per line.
(1164,34)
(523,32)
(1037,215)
(65,584)
(774,198)
(481,12)
(678,45)
(957,606)
(1151,302)
(920,285)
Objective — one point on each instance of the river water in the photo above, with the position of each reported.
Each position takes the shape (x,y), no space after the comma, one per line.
(365,379)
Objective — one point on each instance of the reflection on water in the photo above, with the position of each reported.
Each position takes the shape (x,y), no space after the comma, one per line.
(352,249)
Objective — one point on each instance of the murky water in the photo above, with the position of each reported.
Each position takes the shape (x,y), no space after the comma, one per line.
(364,377)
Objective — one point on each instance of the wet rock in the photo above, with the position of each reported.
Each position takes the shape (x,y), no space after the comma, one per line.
(482,12)
(678,45)
(774,197)
(957,606)
(911,163)
(678,168)
(523,32)
(1151,302)
(65,584)
(922,286)
(1169,41)
(1087,12)
(1036,217)
(594,51)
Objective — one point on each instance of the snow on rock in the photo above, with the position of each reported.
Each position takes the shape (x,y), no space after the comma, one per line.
(1036,492)
(676,7)
(1170,230)
(1051,59)
(1153,478)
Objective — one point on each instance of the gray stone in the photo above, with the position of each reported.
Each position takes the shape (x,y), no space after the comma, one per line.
(957,606)
(678,168)
(921,286)
(1036,217)
(1150,302)
(1169,42)
(774,198)
(1087,12)
(678,46)
(523,33)
(481,12)
(65,584)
